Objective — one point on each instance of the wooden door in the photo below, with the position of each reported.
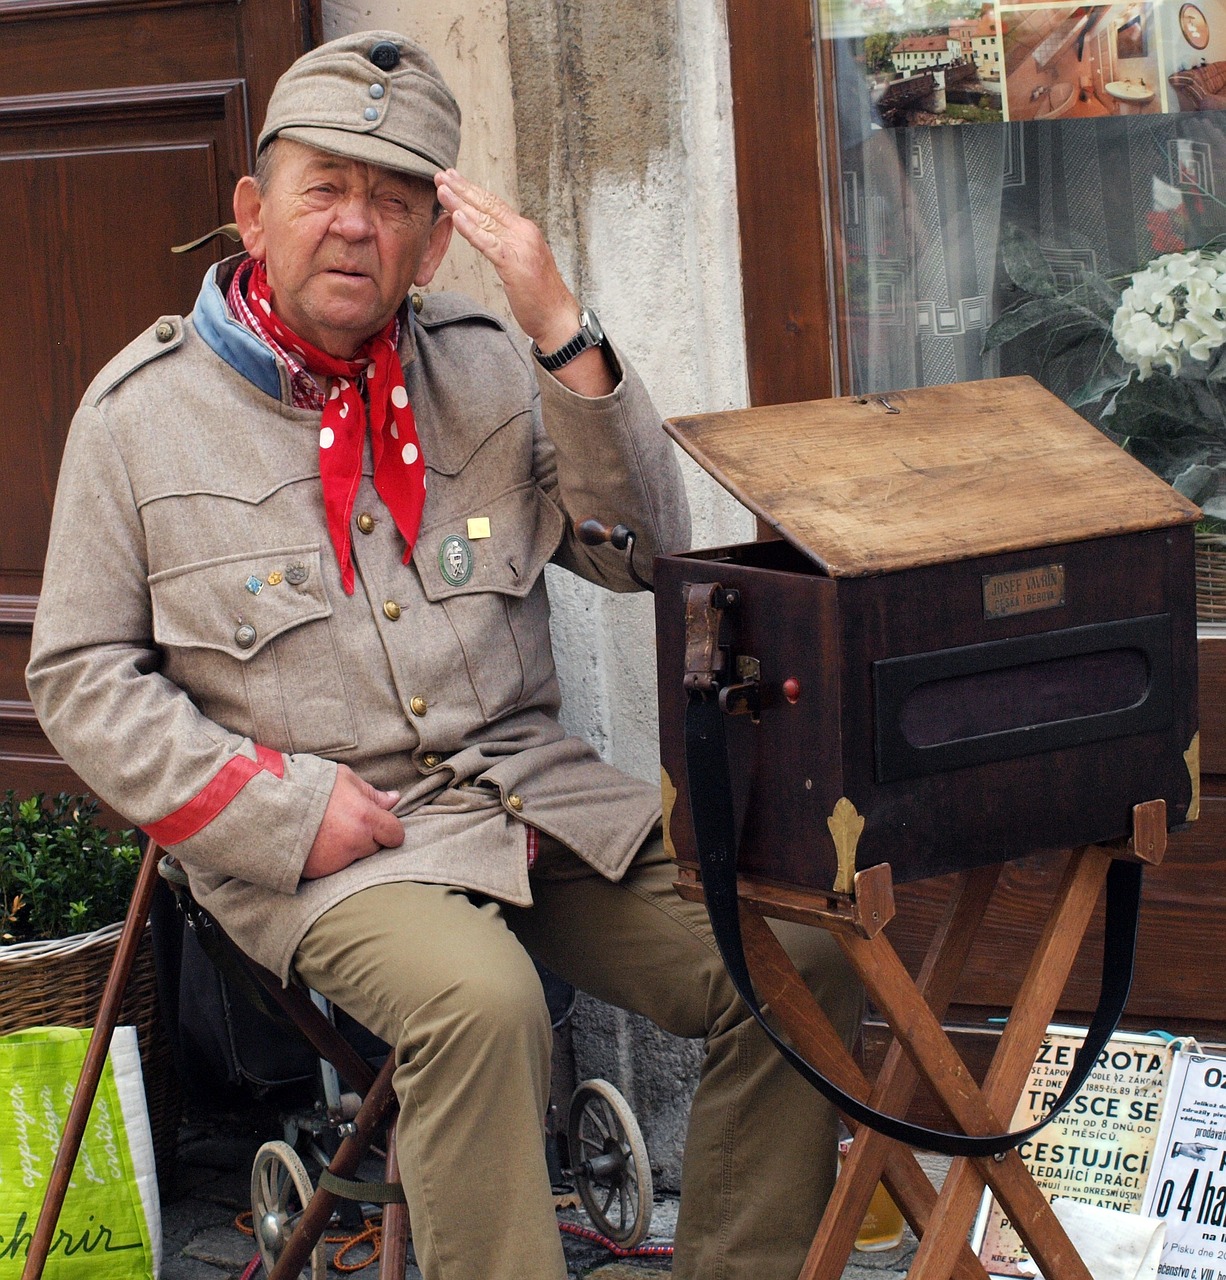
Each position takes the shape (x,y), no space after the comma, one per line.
(124,125)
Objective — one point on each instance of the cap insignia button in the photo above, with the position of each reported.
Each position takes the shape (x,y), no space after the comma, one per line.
(254,585)
(385,55)
(244,637)
(296,574)
(275,578)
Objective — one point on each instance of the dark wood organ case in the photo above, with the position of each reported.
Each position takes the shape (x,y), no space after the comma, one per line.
(975,632)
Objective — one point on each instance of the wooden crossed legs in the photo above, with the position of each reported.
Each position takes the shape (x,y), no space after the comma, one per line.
(913,1008)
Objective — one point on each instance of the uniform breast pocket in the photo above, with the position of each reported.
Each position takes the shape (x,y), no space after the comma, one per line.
(492,592)
(250,638)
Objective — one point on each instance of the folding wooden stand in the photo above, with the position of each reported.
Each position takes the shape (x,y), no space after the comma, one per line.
(913,1009)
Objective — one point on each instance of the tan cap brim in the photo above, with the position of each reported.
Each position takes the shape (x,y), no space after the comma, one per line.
(365,147)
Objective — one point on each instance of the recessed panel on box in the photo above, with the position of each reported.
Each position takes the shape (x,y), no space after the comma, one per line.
(955,708)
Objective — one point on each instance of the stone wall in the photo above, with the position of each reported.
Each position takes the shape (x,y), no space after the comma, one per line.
(608,122)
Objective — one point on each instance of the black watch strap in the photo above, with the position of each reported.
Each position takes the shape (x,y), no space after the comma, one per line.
(590,335)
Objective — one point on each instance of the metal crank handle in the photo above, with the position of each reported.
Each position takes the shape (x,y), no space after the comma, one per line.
(592,533)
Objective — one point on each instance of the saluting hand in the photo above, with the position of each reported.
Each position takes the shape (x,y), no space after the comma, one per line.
(542,305)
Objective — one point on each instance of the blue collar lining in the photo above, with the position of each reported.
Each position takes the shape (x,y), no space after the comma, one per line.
(232,341)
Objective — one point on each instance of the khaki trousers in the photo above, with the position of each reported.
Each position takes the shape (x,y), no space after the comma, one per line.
(445,977)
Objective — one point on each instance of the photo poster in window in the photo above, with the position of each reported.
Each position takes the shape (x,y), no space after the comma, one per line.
(1187,1184)
(959,62)
(924,62)
(1098,1150)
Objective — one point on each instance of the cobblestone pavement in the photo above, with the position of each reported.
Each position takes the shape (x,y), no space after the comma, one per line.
(210,1187)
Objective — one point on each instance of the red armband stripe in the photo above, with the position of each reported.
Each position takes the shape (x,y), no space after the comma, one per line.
(226,783)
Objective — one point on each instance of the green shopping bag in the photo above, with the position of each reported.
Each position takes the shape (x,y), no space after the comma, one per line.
(110,1221)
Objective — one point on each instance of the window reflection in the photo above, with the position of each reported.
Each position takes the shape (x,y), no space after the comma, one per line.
(1110,153)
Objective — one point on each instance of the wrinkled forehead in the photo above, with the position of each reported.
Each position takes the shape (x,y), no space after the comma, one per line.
(296,162)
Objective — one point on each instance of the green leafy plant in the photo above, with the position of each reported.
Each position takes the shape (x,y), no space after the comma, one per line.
(1143,356)
(61,873)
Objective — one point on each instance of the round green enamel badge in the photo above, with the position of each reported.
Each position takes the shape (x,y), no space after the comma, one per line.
(455,560)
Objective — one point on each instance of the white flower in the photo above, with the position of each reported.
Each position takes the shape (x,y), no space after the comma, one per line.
(1174,309)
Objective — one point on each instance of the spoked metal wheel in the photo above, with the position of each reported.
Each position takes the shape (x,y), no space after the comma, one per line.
(609,1163)
(280,1191)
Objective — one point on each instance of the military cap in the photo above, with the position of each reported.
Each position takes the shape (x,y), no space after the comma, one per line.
(373,96)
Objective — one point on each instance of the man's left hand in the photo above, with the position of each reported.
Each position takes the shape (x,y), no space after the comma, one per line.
(541,303)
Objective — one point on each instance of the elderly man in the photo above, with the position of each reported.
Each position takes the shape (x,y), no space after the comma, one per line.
(294,623)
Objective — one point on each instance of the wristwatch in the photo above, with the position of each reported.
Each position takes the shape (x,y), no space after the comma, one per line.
(590,335)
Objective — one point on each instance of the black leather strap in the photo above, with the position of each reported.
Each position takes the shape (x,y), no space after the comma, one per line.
(708,779)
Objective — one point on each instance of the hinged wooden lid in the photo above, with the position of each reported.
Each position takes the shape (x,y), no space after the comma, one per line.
(873,484)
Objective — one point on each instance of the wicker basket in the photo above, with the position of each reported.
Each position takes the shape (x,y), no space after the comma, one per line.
(1211,577)
(59,984)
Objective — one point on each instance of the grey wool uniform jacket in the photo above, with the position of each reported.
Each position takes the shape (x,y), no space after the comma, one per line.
(197,662)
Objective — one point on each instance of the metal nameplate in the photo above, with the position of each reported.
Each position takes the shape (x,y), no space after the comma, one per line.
(1027,591)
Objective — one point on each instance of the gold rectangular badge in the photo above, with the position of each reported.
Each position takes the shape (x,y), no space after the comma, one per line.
(478,527)
(1027,591)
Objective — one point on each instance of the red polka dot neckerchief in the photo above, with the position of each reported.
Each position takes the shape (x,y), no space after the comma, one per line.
(400,472)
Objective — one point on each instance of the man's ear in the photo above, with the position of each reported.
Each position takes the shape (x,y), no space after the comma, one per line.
(436,250)
(249,214)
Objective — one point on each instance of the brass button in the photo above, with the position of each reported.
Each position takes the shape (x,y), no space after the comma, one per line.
(418,302)
(516,802)
(164,332)
(244,637)
(391,610)
(431,761)
(366,522)
(418,706)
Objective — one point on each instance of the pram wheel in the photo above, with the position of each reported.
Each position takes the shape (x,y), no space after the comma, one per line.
(609,1162)
(280,1191)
